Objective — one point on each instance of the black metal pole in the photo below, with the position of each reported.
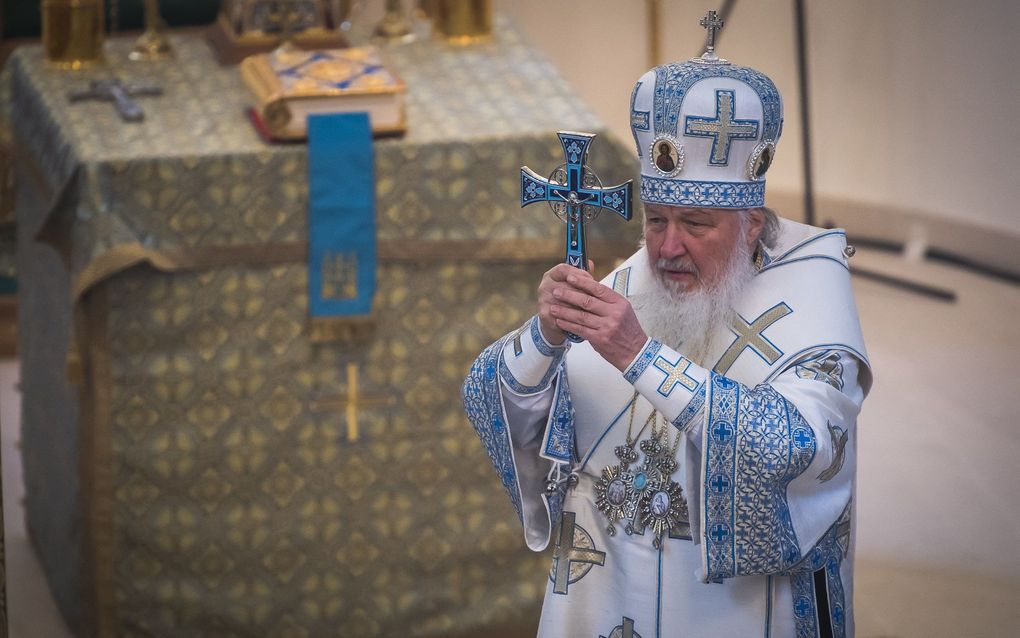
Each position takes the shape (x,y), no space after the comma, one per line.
(805,111)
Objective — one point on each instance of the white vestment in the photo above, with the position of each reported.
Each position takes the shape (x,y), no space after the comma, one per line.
(766,460)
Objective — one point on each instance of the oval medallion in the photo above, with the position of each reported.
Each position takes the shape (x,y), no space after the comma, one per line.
(666,155)
(659,503)
(616,493)
(760,160)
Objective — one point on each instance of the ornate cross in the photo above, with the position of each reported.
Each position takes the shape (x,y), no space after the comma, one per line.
(749,335)
(567,553)
(576,195)
(118,93)
(576,192)
(676,374)
(722,128)
(712,24)
(352,402)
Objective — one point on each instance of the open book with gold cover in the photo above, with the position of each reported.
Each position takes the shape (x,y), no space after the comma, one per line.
(290,85)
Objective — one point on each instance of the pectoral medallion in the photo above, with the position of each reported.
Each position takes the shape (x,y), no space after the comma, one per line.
(644,496)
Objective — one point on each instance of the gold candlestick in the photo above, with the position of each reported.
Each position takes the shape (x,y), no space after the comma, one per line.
(151,45)
(463,21)
(72,32)
(394,26)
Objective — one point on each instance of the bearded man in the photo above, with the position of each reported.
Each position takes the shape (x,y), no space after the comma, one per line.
(692,459)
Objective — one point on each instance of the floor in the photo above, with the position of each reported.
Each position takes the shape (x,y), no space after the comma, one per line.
(938,552)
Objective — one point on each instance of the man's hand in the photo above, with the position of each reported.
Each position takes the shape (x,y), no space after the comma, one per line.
(551,280)
(570,300)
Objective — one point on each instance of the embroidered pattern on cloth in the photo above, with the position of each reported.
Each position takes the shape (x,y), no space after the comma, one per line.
(555,352)
(639,120)
(824,366)
(624,630)
(621,282)
(643,360)
(672,81)
(827,554)
(756,443)
(574,554)
(559,443)
(838,437)
(484,407)
(676,192)
(684,420)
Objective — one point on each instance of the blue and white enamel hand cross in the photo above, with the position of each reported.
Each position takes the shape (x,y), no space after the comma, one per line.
(576,196)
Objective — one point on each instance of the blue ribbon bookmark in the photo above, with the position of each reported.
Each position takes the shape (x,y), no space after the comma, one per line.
(341,217)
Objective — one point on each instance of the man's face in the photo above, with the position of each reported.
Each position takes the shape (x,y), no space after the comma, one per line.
(689,248)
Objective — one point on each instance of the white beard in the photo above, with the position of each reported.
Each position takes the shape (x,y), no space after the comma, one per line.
(686,321)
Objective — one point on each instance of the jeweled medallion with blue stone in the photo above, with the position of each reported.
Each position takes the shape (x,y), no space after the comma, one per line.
(646,496)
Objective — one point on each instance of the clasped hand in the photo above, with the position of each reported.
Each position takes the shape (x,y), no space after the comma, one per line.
(570,300)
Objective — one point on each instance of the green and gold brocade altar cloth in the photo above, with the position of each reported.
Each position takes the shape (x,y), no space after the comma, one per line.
(196,464)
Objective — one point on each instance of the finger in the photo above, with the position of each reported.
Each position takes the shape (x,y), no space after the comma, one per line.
(560,272)
(582,300)
(575,328)
(590,286)
(576,316)
(591,265)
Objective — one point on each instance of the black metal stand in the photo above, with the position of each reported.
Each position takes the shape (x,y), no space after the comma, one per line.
(800,25)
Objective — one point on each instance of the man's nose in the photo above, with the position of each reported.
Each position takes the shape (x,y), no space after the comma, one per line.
(674,243)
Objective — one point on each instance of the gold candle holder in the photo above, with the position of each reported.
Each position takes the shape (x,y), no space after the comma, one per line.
(152,44)
(394,26)
(462,21)
(72,32)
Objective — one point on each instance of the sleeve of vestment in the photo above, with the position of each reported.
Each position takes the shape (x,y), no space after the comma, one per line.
(518,400)
(769,468)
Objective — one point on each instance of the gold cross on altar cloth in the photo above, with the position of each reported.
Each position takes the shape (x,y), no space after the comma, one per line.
(749,335)
(352,402)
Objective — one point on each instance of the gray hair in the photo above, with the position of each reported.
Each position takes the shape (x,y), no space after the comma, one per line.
(770,226)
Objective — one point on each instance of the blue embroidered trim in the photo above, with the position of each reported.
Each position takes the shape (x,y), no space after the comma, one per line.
(810,240)
(524,390)
(559,438)
(643,360)
(541,344)
(804,614)
(828,553)
(484,406)
(787,262)
(556,352)
(837,601)
(683,421)
(756,443)
(638,119)
(679,192)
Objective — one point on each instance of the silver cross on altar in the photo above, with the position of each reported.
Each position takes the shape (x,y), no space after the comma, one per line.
(713,24)
(576,195)
(119,94)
